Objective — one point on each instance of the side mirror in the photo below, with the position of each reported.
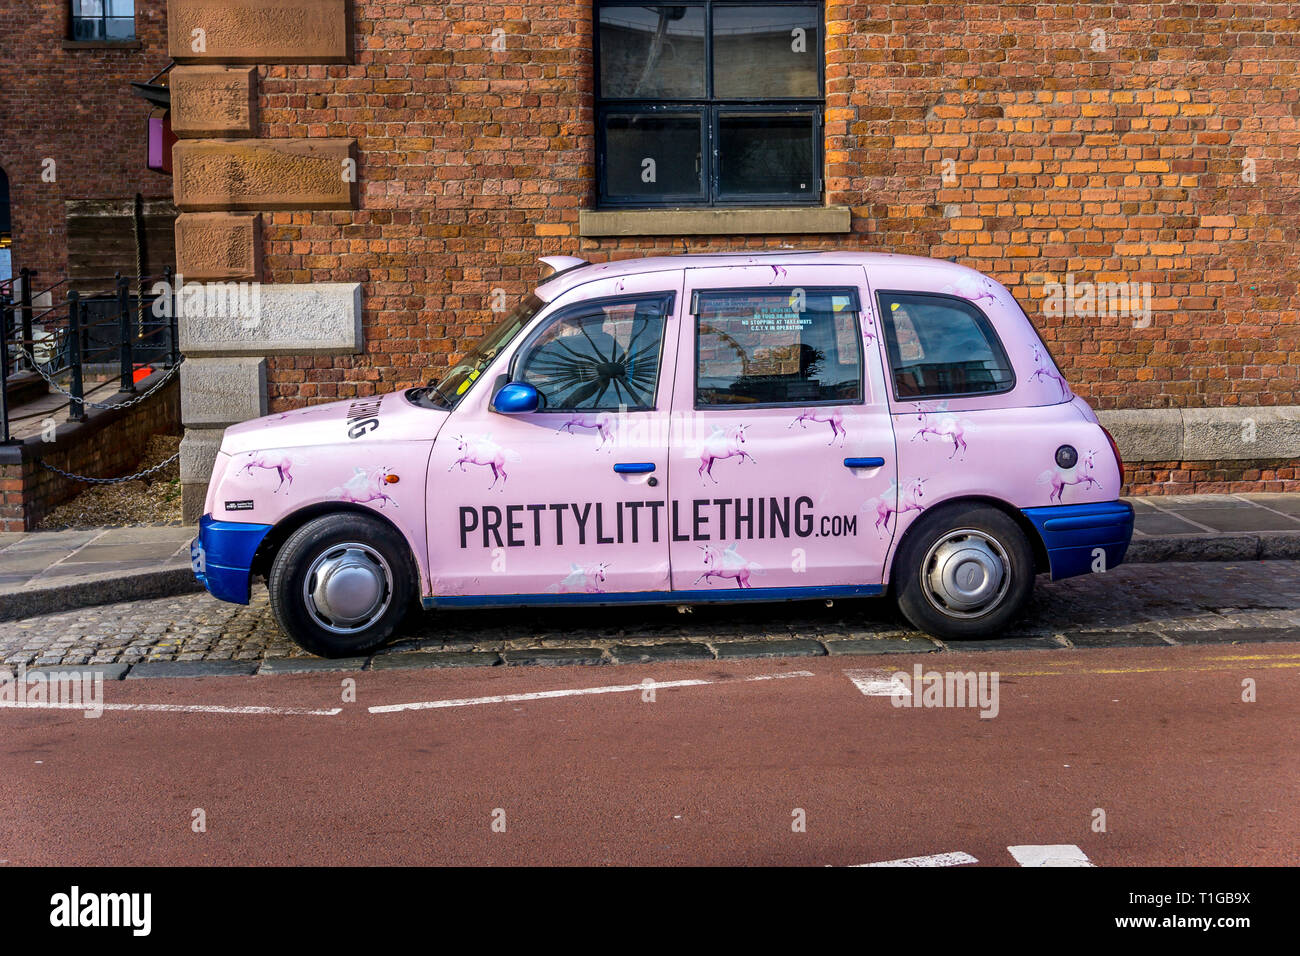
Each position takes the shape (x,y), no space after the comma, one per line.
(517,398)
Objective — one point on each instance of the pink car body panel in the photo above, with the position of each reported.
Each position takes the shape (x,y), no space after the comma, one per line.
(530,505)
(272,468)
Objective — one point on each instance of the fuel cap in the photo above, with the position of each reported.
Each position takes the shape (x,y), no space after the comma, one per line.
(1066,456)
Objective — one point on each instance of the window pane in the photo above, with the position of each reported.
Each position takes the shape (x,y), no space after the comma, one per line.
(652,52)
(940,346)
(121,28)
(604,357)
(653,155)
(765,51)
(781,347)
(766,153)
(88,29)
(103,19)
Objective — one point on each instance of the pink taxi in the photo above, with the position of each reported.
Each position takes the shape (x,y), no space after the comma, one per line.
(742,427)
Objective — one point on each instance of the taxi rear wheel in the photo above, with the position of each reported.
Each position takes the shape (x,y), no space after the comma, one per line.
(341,584)
(965,572)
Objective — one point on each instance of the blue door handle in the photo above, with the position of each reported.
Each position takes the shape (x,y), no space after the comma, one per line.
(863,462)
(634,467)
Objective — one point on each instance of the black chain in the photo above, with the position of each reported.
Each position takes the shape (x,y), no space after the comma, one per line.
(106,481)
(135,400)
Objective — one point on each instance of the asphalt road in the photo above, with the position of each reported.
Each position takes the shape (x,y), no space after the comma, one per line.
(713,772)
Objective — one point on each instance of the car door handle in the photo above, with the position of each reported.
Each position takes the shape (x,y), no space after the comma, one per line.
(863,462)
(634,467)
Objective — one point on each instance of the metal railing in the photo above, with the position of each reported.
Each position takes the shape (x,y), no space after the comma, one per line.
(86,330)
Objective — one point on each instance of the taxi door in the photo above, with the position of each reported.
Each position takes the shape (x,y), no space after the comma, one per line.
(782,478)
(566,503)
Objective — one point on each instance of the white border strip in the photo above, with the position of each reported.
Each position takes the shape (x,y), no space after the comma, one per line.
(577,692)
(1053,854)
(176,708)
(938,859)
(878,683)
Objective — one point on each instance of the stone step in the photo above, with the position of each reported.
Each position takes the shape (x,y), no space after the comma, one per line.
(25,387)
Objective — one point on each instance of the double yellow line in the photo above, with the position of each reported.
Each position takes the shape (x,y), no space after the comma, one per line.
(1058,668)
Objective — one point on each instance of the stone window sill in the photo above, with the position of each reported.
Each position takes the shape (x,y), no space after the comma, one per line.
(102,45)
(735,221)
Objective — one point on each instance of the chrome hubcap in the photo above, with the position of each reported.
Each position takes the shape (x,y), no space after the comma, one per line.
(966,573)
(348,587)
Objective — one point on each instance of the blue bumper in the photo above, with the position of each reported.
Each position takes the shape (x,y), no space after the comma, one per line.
(222,556)
(1074,533)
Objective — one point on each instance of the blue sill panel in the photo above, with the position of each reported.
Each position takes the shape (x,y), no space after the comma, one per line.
(1072,533)
(656,597)
(228,548)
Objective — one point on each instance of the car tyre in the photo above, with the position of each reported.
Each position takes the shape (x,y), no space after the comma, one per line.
(964,572)
(341,584)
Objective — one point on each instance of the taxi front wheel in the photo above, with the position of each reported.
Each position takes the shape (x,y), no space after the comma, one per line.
(964,572)
(341,584)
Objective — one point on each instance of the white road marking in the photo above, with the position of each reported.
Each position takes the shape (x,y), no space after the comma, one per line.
(937,859)
(878,683)
(176,708)
(577,692)
(1055,854)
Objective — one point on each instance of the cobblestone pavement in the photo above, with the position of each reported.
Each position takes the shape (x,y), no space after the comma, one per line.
(1135,604)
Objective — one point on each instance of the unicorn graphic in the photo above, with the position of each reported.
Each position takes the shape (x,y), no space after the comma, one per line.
(973,287)
(1062,479)
(891,503)
(723,443)
(483,451)
(291,413)
(276,461)
(726,564)
(946,427)
(585,580)
(604,425)
(364,487)
(831,416)
(1044,370)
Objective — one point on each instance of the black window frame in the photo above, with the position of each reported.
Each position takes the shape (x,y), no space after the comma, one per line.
(668,297)
(6,206)
(102,19)
(855,303)
(891,345)
(709,106)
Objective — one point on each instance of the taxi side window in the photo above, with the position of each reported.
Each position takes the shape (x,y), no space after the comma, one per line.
(942,346)
(598,356)
(790,346)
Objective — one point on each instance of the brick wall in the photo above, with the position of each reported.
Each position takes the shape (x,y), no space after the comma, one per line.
(73,106)
(110,444)
(1211,477)
(1119,164)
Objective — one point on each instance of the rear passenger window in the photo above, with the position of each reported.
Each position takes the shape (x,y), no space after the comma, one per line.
(941,346)
(794,346)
